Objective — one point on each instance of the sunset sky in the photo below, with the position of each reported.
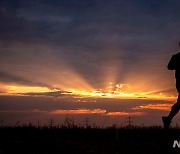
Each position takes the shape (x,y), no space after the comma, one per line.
(105,60)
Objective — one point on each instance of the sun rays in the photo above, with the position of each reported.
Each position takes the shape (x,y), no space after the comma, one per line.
(57,75)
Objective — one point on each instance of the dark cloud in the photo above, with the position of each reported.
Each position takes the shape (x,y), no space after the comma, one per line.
(49,103)
(88,24)
(54,94)
(29,108)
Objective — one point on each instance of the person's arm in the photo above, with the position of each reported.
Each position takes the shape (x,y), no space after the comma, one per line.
(172,63)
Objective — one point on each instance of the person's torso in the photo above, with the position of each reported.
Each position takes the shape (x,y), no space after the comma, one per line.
(177,58)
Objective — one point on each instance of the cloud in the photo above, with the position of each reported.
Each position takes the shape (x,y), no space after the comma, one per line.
(96,111)
(165,107)
(23,111)
(82,111)
(58,93)
(29,108)
(125,113)
(125,24)
(79,111)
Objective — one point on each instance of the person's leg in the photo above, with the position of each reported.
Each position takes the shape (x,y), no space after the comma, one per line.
(174,109)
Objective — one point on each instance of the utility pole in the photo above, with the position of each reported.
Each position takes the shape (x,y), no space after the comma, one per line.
(51,123)
(17,124)
(130,121)
(87,122)
(38,124)
(2,123)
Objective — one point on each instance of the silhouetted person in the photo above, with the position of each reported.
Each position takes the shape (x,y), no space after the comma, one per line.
(174,64)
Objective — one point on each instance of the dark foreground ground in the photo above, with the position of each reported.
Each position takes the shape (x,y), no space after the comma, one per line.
(153,140)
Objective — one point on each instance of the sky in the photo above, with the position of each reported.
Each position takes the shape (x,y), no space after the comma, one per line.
(105,60)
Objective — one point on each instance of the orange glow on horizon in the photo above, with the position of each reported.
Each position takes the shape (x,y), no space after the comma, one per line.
(122,91)
(79,111)
(125,113)
(118,91)
(28,89)
(165,107)
(96,111)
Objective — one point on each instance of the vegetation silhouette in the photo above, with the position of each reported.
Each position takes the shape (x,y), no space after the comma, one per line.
(70,137)
(174,64)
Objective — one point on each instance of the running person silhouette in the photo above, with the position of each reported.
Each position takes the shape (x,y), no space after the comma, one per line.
(174,64)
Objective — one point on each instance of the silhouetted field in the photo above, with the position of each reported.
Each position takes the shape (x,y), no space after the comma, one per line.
(146,140)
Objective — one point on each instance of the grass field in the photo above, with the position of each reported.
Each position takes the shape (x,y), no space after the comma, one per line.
(31,140)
